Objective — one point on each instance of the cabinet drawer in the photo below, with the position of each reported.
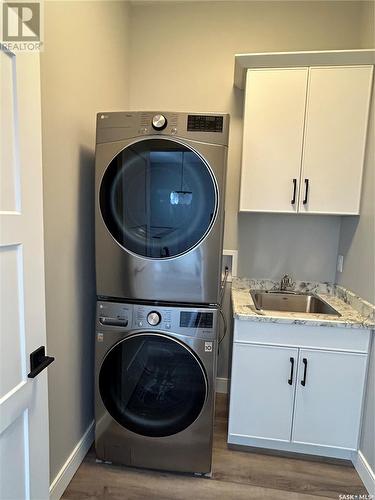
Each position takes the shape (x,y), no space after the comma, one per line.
(318,337)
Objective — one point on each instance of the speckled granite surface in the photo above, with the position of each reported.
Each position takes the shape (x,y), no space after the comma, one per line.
(355,312)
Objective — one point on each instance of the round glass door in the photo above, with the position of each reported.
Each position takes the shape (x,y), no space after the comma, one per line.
(158,198)
(152,385)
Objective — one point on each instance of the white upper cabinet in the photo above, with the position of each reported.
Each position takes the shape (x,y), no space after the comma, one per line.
(335,139)
(305,128)
(272,140)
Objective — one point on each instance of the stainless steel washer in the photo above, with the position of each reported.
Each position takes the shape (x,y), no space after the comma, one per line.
(160,184)
(155,385)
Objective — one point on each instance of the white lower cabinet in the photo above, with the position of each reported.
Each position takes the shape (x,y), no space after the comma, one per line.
(297,397)
(328,398)
(262,400)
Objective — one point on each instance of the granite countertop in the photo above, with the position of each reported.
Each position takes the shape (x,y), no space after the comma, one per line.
(355,312)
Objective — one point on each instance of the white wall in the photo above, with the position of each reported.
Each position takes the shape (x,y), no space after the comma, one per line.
(84,70)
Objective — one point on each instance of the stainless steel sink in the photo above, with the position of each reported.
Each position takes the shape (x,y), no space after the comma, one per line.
(291,302)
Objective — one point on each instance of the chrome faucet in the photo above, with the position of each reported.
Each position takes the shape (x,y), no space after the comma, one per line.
(286,283)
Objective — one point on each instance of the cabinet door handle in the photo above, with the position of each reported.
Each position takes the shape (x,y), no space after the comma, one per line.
(306,191)
(303,381)
(290,380)
(294,191)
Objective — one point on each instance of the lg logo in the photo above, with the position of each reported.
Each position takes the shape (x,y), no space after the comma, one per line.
(21,22)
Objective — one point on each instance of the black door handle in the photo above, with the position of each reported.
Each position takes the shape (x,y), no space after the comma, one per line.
(294,191)
(306,191)
(39,361)
(290,380)
(303,381)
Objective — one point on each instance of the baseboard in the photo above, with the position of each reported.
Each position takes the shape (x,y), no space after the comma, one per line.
(288,446)
(365,472)
(67,471)
(222,385)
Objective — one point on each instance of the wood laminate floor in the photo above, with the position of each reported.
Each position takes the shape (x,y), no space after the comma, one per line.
(236,476)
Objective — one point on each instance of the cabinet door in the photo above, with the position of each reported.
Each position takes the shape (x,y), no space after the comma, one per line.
(262,391)
(328,407)
(335,138)
(272,139)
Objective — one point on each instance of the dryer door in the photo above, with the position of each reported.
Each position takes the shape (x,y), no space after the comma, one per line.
(158,198)
(152,385)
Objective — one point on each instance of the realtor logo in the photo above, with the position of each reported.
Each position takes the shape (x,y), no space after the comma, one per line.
(21,25)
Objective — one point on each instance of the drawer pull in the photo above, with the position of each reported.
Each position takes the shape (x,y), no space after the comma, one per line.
(290,380)
(294,191)
(306,191)
(303,381)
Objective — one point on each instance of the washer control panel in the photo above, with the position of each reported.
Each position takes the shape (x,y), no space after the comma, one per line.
(187,321)
(152,317)
(109,314)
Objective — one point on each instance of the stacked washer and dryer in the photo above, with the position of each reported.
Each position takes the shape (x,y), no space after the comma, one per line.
(160,183)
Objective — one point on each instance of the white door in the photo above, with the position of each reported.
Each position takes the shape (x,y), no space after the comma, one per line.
(328,398)
(262,391)
(24,450)
(335,138)
(272,139)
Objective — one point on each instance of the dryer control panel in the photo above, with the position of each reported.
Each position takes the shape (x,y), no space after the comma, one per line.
(205,123)
(212,128)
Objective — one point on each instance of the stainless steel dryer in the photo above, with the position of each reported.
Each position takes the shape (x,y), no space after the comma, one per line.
(155,386)
(160,183)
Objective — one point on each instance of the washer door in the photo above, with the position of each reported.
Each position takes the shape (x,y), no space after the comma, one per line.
(158,198)
(152,385)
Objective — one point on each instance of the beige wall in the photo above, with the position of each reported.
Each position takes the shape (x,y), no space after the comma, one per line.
(368,25)
(182,57)
(357,235)
(357,245)
(84,70)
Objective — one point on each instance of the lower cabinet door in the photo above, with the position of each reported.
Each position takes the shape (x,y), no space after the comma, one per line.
(329,398)
(262,391)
